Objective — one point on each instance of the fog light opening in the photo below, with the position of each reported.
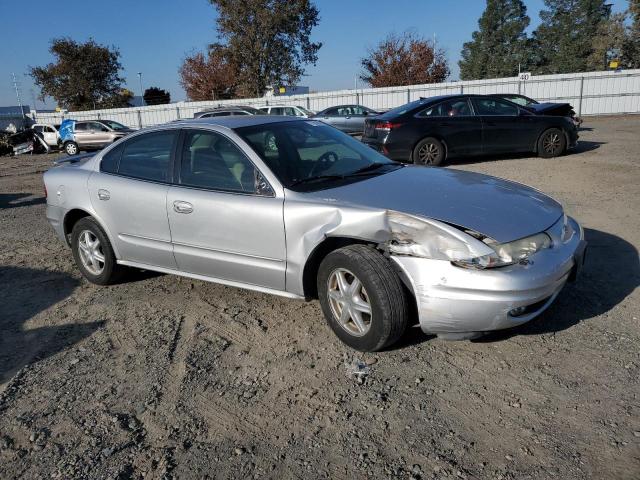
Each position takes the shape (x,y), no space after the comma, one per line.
(516,312)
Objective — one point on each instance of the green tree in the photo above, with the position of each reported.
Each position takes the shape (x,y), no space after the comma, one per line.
(267,40)
(631,44)
(609,42)
(156,96)
(500,44)
(84,75)
(404,60)
(565,37)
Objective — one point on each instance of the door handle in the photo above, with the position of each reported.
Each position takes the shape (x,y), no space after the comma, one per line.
(104,194)
(182,207)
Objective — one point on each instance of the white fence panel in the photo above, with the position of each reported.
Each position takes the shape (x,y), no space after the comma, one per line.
(592,93)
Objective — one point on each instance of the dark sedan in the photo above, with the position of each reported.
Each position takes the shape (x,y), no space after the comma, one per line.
(348,118)
(430,130)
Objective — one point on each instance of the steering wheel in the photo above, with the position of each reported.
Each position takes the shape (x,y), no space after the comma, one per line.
(324,162)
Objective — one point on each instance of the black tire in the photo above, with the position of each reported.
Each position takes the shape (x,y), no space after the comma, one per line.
(429,151)
(111,272)
(382,290)
(552,143)
(71,148)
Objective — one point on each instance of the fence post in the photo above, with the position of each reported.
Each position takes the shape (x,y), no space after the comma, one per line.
(98,115)
(519,87)
(177,112)
(580,101)
(139,119)
(461,89)
(308,103)
(408,95)
(357,98)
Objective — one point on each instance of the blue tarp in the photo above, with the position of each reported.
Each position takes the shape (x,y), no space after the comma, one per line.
(67,130)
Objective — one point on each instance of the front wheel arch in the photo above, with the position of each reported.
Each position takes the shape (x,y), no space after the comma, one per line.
(313,261)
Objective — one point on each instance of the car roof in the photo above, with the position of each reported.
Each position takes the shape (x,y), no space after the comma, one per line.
(239,121)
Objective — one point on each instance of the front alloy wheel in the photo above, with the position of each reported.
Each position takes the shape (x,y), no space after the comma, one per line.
(552,143)
(71,148)
(349,302)
(362,297)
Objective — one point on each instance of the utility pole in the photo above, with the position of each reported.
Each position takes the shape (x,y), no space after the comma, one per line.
(15,86)
(141,90)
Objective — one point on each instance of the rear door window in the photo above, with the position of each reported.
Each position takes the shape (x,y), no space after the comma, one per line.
(147,156)
(450,108)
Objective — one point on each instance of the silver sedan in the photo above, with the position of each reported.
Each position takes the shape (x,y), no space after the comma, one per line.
(296,208)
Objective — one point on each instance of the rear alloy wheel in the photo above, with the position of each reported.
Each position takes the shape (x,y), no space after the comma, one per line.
(93,253)
(362,298)
(71,148)
(429,151)
(552,143)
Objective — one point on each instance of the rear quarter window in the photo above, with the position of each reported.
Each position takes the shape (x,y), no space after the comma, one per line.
(110,160)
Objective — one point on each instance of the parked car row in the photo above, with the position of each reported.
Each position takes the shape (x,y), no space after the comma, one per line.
(430,130)
(427,131)
(293,207)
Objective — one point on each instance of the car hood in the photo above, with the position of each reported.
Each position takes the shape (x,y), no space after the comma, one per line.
(497,208)
(555,109)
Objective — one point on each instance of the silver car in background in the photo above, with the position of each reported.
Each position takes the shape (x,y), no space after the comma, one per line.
(296,208)
(347,118)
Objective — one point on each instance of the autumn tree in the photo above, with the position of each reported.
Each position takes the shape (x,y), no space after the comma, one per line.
(209,77)
(565,36)
(500,44)
(156,96)
(84,76)
(405,59)
(268,41)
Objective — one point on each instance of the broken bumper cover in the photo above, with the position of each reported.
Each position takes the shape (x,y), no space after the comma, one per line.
(452,299)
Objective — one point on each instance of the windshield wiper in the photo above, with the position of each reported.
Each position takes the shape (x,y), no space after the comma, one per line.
(314,179)
(368,169)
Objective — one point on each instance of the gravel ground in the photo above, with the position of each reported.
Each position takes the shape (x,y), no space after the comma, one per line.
(163,377)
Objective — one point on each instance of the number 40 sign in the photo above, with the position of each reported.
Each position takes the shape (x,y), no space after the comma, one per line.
(524,76)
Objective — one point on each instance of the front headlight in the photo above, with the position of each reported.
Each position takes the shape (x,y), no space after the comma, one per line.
(421,237)
(518,250)
(428,238)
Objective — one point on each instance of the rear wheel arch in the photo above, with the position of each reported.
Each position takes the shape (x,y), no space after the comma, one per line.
(74,215)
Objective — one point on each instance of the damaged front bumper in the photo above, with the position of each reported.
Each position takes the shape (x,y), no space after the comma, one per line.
(452,299)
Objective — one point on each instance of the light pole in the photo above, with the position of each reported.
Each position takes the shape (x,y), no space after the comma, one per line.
(141,90)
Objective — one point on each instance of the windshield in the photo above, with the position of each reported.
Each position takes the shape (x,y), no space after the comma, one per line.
(308,155)
(307,112)
(114,125)
(521,100)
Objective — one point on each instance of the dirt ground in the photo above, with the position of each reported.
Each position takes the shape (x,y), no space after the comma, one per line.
(163,377)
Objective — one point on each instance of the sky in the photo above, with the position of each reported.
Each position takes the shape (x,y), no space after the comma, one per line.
(154,36)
